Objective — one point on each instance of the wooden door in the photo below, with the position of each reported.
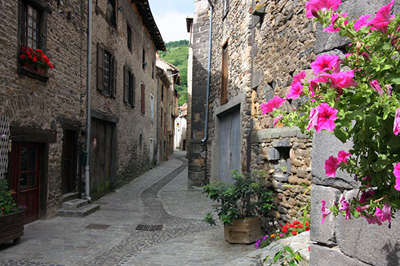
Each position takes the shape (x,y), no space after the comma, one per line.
(69,161)
(101,161)
(25,177)
(229,144)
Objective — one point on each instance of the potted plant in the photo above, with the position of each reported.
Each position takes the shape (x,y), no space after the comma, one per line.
(11,216)
(240,206)
(34,60)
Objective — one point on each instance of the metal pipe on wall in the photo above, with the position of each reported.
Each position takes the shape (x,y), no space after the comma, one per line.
(88,101)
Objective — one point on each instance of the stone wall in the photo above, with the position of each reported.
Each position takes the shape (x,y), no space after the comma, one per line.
(45,107)
(197,158)
(352,242)
(131,158)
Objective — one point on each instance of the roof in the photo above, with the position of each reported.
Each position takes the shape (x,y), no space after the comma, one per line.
(148,20)
(167,66)
(189,22)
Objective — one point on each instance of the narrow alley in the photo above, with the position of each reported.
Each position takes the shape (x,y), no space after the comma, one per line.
(153,220)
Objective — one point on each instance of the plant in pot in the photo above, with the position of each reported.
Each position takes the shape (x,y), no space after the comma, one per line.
(11,216)
(34,60)
(240,206)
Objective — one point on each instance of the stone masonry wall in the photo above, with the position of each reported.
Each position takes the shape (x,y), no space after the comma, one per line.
(353,242)
(132,160)
(45,105)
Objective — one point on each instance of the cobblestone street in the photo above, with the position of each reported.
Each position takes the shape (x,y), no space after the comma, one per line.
(109,236)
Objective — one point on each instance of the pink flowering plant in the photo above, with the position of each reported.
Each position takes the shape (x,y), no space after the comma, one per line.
(357,98)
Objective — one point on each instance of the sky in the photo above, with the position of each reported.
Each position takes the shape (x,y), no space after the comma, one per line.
(170,16)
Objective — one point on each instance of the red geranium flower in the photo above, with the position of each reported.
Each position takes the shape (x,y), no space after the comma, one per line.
(284,229)
(294,232)
(307,228)
(296,222)
(22,57)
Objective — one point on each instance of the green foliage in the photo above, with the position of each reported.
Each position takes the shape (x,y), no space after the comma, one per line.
(7,203)
(286,256)
(177,54)
(247,197)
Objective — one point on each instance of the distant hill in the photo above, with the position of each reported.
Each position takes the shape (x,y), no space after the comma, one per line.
(177,54)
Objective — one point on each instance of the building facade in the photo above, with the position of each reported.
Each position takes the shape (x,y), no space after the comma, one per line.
(42,108)
(181,129)
(124,47)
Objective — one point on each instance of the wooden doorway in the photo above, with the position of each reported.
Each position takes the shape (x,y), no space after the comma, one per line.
(69,161)
(102,157)
(25,177)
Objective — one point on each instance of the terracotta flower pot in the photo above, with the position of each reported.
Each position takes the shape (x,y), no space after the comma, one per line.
(243,231)
(12,226)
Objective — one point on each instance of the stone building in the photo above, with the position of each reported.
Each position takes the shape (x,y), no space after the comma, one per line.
(168,107)
(255,55)
(189,28)
(124,91)
(180,129)
(42,110)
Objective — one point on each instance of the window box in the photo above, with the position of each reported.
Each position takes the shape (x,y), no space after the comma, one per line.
(34,63)
(12,226)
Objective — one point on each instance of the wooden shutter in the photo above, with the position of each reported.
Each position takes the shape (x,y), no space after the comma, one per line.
(143,99)
(100,67)
(126,84)
(224,85)
(114,77)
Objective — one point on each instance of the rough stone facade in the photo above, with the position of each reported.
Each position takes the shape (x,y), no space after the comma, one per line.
(199,45)
(132,146)
(39,111)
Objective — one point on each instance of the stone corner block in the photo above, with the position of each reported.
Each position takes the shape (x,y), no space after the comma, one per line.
(323,233)
(324,256)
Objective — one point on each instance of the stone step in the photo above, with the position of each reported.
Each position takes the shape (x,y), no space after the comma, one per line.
(75,204)
(80,212)
(70,196)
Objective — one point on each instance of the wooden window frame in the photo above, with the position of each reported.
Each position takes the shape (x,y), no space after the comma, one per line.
(225,73)
(129,87)
(113,20)
(42,10)
(107,89)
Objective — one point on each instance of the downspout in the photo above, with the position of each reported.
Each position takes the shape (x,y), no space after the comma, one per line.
(205,139)
(88,102)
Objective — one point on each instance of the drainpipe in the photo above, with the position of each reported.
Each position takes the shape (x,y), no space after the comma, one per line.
(88,102)
(205,139)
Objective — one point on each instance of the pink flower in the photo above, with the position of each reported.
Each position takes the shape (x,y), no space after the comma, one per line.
(347,55)
(313,123)
(313,6)
(389,89)
(272,104)
(366,195)
(396,124)
(334,17)
(331,165)
(277,119)
(295,91)
(342,156)
(396,172)
(326,117)
(376,86)
(385,214)
(342,80)
(345,206)
(324,210)
(314,84)
(372,220)
(325,63)
(382,19)
(362,22)
(299,77)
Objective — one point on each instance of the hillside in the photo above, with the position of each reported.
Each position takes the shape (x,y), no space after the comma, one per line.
(177,54)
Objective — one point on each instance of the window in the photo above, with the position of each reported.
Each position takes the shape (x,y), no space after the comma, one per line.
(144,59)
(152,70)
(129,37)
(162,93)
(106,72)
(226,7)
(140,143)
(129,87)
(30,27)
(152,107)
(111,14)
(142,99)
(224,83)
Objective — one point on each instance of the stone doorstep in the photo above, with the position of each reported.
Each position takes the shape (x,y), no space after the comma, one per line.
(69,196)
(74,204)
(78,212)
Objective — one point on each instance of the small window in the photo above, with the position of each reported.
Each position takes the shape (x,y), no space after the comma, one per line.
(143,98)
(129,87)
(107,72)
(111,13)
(144,59)
(162,93)
(152,70)
(129,37)
(152,107)
(224,83)
(140,143)
(30,28)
